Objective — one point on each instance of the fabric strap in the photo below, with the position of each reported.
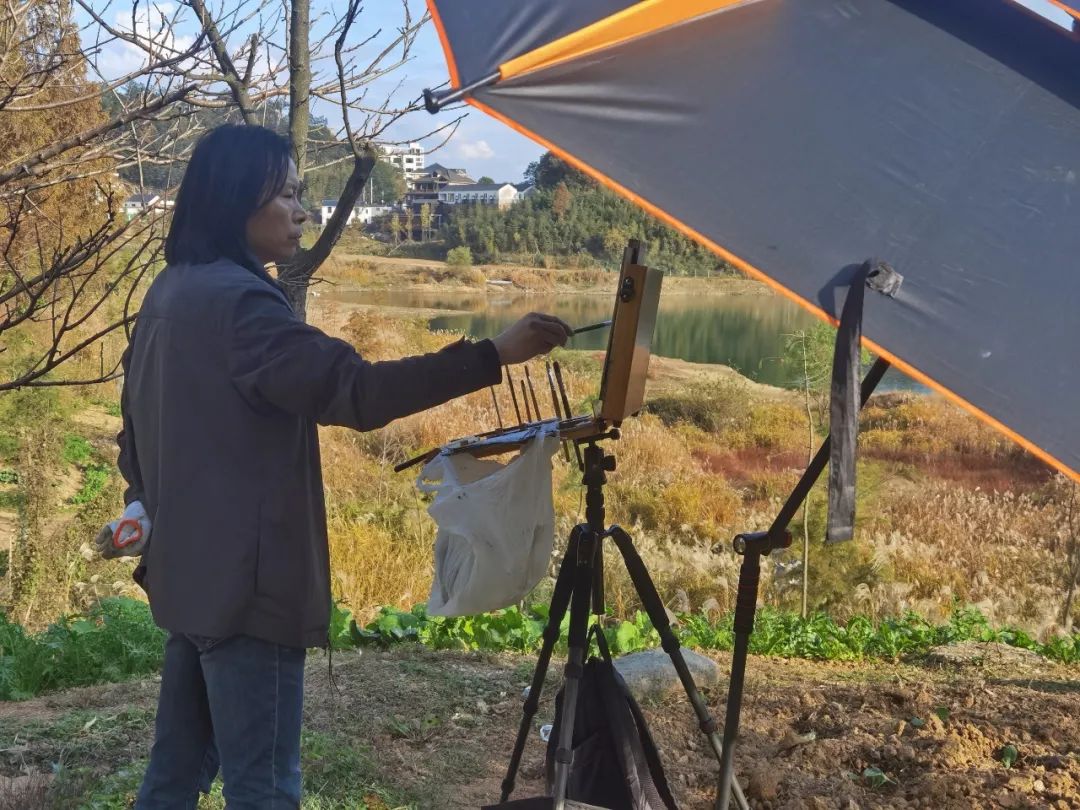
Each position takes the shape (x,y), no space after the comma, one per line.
(844,396)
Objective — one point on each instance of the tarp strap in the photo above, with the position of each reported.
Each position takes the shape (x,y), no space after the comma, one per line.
(844,396)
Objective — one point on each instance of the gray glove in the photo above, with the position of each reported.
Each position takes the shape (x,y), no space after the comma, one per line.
(126,537)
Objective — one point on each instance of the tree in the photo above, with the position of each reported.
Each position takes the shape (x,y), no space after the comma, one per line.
(69,261)
(350,85)
(387,184)
(395,228)
(425,221)
(549,171)
(810,353)
(560,203)
(77,140)
(485,180)
(615,240)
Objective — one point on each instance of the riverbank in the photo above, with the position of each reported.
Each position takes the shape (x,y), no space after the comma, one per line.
(366,272)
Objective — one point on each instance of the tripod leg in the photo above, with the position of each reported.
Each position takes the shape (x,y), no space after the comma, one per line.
(575,661)
(654,607)
(560,599)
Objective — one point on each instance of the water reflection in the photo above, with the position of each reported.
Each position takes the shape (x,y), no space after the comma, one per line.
(746,332)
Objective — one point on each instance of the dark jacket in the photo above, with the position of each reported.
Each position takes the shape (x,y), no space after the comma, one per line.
(223,389)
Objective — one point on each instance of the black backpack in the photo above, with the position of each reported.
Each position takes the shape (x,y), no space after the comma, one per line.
(615,764)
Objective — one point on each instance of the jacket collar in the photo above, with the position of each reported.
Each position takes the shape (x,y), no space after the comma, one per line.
(258,269)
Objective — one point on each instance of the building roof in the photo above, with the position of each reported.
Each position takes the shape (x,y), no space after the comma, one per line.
(470,187)
(455,176)
(358,204)
(142,199)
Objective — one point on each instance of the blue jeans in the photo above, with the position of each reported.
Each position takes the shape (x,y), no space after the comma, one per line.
(236,702)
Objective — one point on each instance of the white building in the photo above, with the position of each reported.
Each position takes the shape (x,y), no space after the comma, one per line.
(362,214)
(501,194)
(137,203)
(409,159)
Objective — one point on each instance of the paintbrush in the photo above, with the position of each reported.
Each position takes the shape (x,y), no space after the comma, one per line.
(592,327)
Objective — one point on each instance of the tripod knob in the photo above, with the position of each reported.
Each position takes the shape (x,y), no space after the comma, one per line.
(608,464)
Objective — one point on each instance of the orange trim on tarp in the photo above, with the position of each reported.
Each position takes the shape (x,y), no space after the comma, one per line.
(754,272)
(1072,11)
(451,63)
(637,20)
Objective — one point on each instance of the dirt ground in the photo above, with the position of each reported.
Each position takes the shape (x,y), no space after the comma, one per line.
(435,729)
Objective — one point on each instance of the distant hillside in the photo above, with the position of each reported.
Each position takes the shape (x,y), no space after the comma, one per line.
(572,216)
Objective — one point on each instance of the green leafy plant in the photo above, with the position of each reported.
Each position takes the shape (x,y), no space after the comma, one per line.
(118,640)
(876,778)
(115,640)
(95,479)
(776,633)
(77,450)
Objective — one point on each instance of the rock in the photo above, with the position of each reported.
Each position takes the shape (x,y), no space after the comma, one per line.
(764,783)
(794,740)
(651,674)
(681,602)
(974,653)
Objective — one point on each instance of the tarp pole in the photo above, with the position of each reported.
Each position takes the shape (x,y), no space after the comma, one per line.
(435,101)
(752,547)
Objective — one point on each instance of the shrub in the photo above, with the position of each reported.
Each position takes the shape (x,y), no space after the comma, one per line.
(459,257)
(115,640)
(712,406)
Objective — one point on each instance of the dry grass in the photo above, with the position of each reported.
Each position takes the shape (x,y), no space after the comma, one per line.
(709,463)
(374,566)
(950,512)
(1000,551)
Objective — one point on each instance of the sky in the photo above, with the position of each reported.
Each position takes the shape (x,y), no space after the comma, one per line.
(481,145)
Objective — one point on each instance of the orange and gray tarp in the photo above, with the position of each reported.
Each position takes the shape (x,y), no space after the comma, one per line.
(800,138)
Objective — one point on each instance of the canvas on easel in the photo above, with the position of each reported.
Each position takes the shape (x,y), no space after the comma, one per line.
(626,364)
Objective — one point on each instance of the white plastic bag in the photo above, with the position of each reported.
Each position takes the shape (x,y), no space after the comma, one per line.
(496,527)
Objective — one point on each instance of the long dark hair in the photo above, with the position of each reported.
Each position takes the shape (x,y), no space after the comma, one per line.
(233,171)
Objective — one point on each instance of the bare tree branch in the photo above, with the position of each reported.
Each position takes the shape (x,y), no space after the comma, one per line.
(28,167)
(236,84)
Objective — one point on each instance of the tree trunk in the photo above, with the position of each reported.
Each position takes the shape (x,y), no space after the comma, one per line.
(299,81)
(295,277)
